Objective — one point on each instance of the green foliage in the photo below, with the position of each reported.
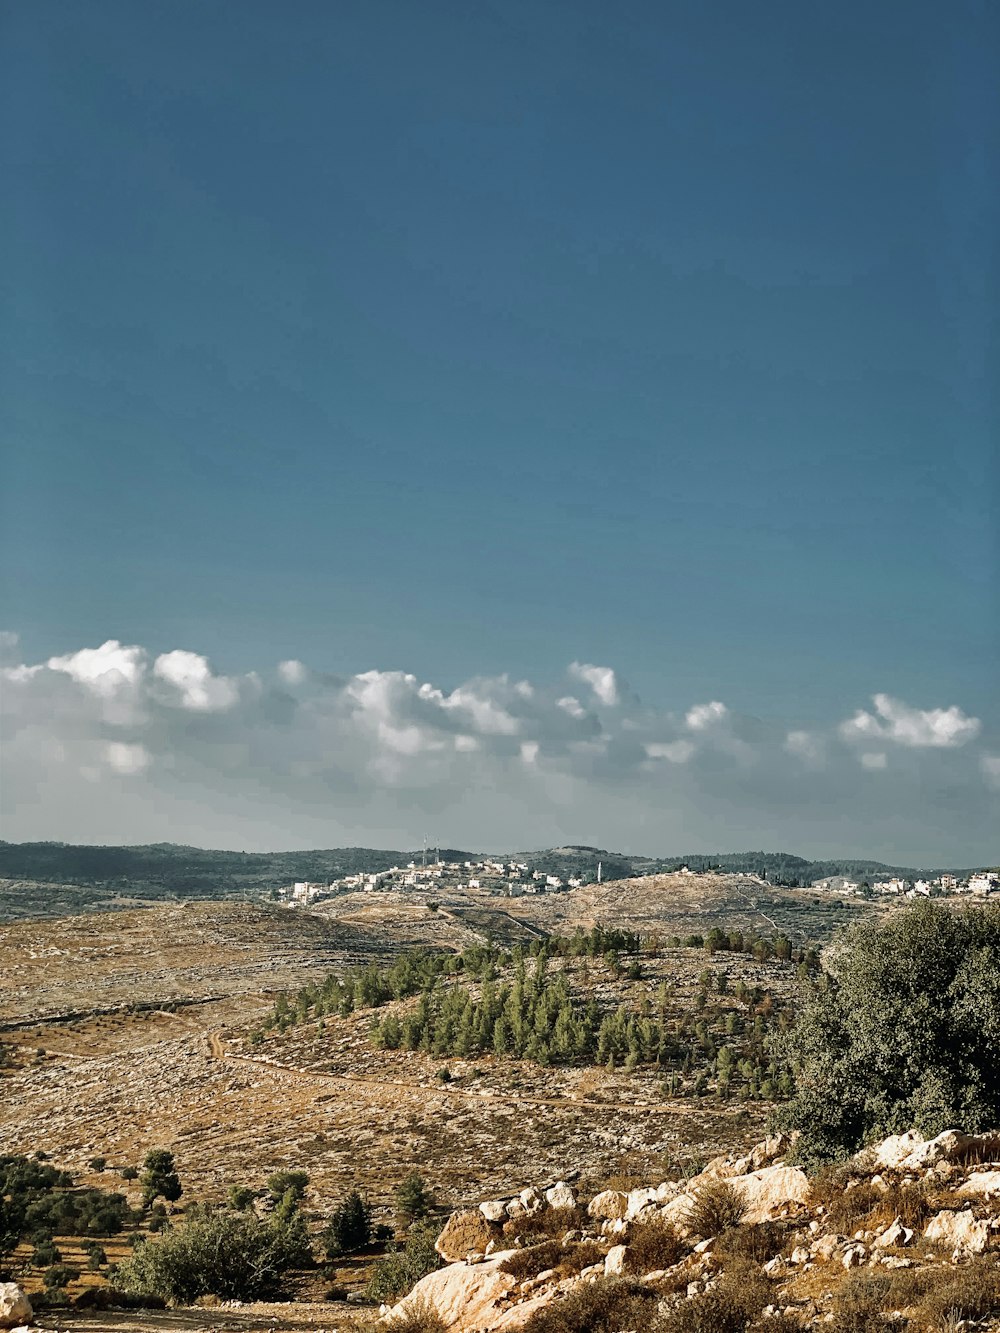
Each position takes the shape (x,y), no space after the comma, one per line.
(902,1033)
(400,1270)
(413,1199)
(234,1256)
(284,1181)
(159,1179)
(59,1276)
(241,1197)
(349,1228)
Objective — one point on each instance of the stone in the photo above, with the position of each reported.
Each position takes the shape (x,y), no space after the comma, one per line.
(15,1308)
(466,1297)
(771,1192)
(638,1201)
(894,1236)
(611,1205)
(854,1256)
(961,1230)
(981,1182)
(614,1261)
(560,1196)
(494,1210)
(531,1199)
(465,1232)
(912,1152)
(800,1255)
(826,1247)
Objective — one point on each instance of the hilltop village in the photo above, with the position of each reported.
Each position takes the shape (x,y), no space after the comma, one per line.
(515,879)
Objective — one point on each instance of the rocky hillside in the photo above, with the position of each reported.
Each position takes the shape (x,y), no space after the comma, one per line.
(904,1236)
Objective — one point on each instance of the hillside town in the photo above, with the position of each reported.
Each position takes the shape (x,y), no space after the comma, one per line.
(514,879)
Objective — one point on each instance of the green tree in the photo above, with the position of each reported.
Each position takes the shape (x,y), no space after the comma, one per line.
(159,1179)
(234,1256)
(349,1228)
(413,1199)
(901,1032)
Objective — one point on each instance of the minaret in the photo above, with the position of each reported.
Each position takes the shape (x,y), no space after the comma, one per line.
(599,866)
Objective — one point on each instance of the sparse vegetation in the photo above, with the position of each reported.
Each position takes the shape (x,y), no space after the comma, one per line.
(401,1269)
(717,1207)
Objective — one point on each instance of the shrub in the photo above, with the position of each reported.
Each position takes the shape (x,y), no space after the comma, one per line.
(605,1306)
(59,1276)
(565,1259)
(754,1243)
(284,1181)
(234,1256)
(129,1172)
(44,1254)
(731,1306)
(241,1197)
(652,1245)
(716,1207)
(551,1222)
(421,1319)
(893,1036)
(401,1270)
(97,1163)
(96,1256)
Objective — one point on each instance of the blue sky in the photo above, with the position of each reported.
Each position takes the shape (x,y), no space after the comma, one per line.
(464,340)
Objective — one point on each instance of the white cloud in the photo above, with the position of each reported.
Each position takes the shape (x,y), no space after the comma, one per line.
(192,678)
(702,716)
(125,758)
(677,752)
(294,756)
(292,672)
(936,728)
(874,759)
(805,746)
(602,680)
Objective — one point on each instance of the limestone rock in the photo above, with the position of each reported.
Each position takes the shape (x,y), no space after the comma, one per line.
(614,1261)
(560,1196)
(532,1201)
(610,1205)
(15,1308)
(466,1297)
(494,1210)
(894,1235)
(465,1232)
(771,1191)
(638,1200)
(959,1229)
(981,1182)
(854,1256)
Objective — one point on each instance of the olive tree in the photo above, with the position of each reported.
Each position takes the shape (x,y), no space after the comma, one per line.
(901,1030)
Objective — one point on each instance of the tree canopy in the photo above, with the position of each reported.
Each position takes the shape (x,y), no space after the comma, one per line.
(901,1031)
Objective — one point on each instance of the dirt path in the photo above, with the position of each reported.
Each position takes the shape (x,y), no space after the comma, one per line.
(466,1094)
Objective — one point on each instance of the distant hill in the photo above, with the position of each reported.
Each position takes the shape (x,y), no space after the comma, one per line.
(169,870)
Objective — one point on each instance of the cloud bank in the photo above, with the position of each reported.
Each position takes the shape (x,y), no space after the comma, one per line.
(112,744)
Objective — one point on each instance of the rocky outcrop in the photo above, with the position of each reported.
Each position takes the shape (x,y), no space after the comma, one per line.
(15,1308)
(615,1234)
(961,1230)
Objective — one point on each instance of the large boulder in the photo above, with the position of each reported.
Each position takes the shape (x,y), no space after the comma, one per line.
(494,1210)
(912,1152)
(981,1182)
(609,1205)
(15,1308)
(466,1232)
(469,1296)
(560,1195)
(771,1192)
(961,1230)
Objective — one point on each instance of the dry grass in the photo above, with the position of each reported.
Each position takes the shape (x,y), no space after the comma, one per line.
(653,1245)
(731,1306)
(606,1306)
(421,1319)
(755,1243)
(716,1207)
(549,1223)
(566,1260)
(850,1206)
